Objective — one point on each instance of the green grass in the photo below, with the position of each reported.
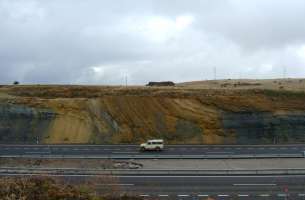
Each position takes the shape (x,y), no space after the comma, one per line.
(284,93)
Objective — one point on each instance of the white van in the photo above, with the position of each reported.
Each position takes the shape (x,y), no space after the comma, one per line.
(152,145)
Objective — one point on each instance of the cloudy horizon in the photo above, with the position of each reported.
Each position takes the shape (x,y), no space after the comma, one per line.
(105,42)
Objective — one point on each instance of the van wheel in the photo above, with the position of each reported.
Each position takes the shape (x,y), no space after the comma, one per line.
(158,149)
(142,149)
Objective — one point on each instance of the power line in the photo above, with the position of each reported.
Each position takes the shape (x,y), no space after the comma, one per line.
(284,72)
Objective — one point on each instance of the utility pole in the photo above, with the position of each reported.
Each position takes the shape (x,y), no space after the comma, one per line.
(126,80)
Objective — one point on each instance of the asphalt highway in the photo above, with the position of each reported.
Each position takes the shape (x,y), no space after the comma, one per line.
(217,187)
(132,151)
(182,187)
(197,187)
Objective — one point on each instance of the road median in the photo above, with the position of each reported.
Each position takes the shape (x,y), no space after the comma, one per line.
(155,156)
(143,172)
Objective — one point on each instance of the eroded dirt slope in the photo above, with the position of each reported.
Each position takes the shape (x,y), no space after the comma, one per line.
(181,114)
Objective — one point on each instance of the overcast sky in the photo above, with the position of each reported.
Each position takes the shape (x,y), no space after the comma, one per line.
(102,42)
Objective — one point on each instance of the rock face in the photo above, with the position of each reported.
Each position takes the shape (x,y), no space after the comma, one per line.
(23,124)
(64,114)
(265,127)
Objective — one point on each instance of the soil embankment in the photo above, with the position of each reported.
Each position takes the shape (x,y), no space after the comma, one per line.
(179,114)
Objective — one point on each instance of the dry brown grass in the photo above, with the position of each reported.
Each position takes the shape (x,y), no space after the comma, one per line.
(44,188)
(39,188)
(229,84)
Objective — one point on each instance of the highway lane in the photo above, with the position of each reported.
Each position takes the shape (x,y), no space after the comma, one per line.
(133,150)
(217,187)
(197,187)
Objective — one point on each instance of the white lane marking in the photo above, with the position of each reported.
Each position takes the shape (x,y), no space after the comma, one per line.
(144,195)
(228,152)
(125,152)
(183,195)
(254,184)
(111,149)
(243,195)
(41,152)
(202,195)
(282,195)
(223,195)
(301,195)
(264,195)
(163,195)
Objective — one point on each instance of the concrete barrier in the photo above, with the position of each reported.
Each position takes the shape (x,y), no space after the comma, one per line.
(153,172)
(204,156)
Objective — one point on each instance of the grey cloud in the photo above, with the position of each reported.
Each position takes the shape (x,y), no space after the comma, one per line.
(62,41)
(258,24)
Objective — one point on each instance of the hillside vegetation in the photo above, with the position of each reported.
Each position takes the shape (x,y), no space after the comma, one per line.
(228,112)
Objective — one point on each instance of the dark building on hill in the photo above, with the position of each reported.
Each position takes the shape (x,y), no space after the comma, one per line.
(162,83)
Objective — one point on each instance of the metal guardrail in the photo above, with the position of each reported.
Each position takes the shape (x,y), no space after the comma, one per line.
(143,172)
(137,145)
(158,156)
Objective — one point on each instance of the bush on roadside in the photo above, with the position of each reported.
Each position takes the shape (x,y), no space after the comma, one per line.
(43,188)
(38,188)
